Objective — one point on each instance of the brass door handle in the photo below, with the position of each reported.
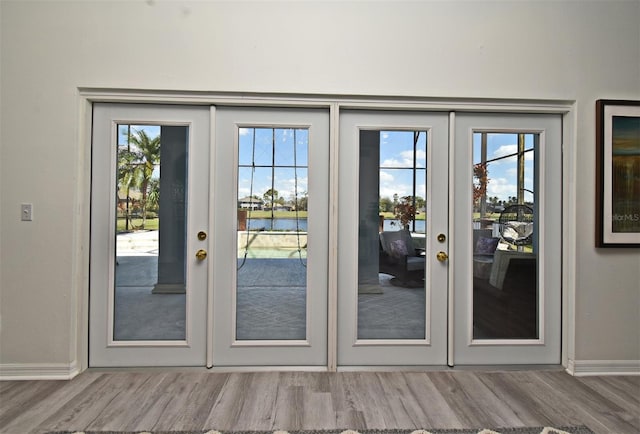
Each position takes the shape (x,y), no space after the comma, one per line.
(442,256)
(201,255)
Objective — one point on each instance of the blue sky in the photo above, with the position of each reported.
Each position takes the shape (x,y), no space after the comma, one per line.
(503,174)
(396,152)
(151,130)
(280,147)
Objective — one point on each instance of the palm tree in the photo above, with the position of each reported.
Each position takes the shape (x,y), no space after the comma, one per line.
(147,155)
(126,178)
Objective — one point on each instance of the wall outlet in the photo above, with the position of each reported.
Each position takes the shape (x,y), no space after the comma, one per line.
(26,212)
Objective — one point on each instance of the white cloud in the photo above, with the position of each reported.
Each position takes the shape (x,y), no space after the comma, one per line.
(385,177)
(405,159)
(390,190)
(391,162)
(243,192)
(502,188)
(287,188)
(389,185)
(509,150)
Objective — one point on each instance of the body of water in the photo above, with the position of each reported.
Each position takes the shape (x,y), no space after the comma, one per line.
(277,224)
(289,224)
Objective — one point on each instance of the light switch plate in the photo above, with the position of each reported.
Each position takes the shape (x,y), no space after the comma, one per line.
(26,212)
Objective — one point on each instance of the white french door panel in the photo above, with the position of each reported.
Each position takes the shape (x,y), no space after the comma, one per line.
(270,283)
(500,316)
(395,315)
(148,292)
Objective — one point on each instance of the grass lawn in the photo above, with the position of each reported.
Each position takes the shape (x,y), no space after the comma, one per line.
(134,224)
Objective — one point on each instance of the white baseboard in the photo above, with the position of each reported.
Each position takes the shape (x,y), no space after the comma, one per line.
(38,371)
(583,368)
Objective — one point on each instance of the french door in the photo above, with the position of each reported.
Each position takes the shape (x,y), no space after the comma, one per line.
(149,201)
(449,239)
(189,263)
(210,237)
(393,227)
(271,209)
(506,239)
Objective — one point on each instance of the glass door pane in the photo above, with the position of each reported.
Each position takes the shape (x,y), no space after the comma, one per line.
(505,246)
(391,235)
(271,281)
(149,293)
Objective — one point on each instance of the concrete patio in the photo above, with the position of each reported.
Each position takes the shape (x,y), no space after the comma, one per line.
(271,298)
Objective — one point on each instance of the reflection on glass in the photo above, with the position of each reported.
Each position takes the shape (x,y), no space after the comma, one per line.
(271,293)
(391,235)
(505,290)
(149,302)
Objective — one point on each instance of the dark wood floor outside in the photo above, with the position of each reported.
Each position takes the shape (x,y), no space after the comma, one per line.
(171,400)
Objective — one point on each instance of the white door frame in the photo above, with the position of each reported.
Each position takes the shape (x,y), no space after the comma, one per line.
(105,350)
(87,96)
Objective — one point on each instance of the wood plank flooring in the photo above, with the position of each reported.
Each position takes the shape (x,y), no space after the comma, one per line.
(195,400)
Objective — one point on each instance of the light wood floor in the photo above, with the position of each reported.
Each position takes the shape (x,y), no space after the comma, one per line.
(172,400)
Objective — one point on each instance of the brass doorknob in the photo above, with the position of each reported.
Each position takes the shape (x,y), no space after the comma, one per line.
(442,256)
(201,255)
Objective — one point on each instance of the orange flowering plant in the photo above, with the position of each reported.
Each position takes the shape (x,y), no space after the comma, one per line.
(480,181)
(405,211)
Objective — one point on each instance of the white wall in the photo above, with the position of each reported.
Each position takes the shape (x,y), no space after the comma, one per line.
(578,51)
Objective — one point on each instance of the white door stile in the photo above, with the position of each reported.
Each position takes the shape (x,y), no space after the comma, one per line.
(334,183)
(452,249)
(210,236)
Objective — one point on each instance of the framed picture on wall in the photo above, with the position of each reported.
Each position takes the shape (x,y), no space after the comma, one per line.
(617,173)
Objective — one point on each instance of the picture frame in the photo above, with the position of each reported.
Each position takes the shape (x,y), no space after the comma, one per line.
(617,173)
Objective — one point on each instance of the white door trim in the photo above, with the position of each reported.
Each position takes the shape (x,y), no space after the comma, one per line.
(79,294)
